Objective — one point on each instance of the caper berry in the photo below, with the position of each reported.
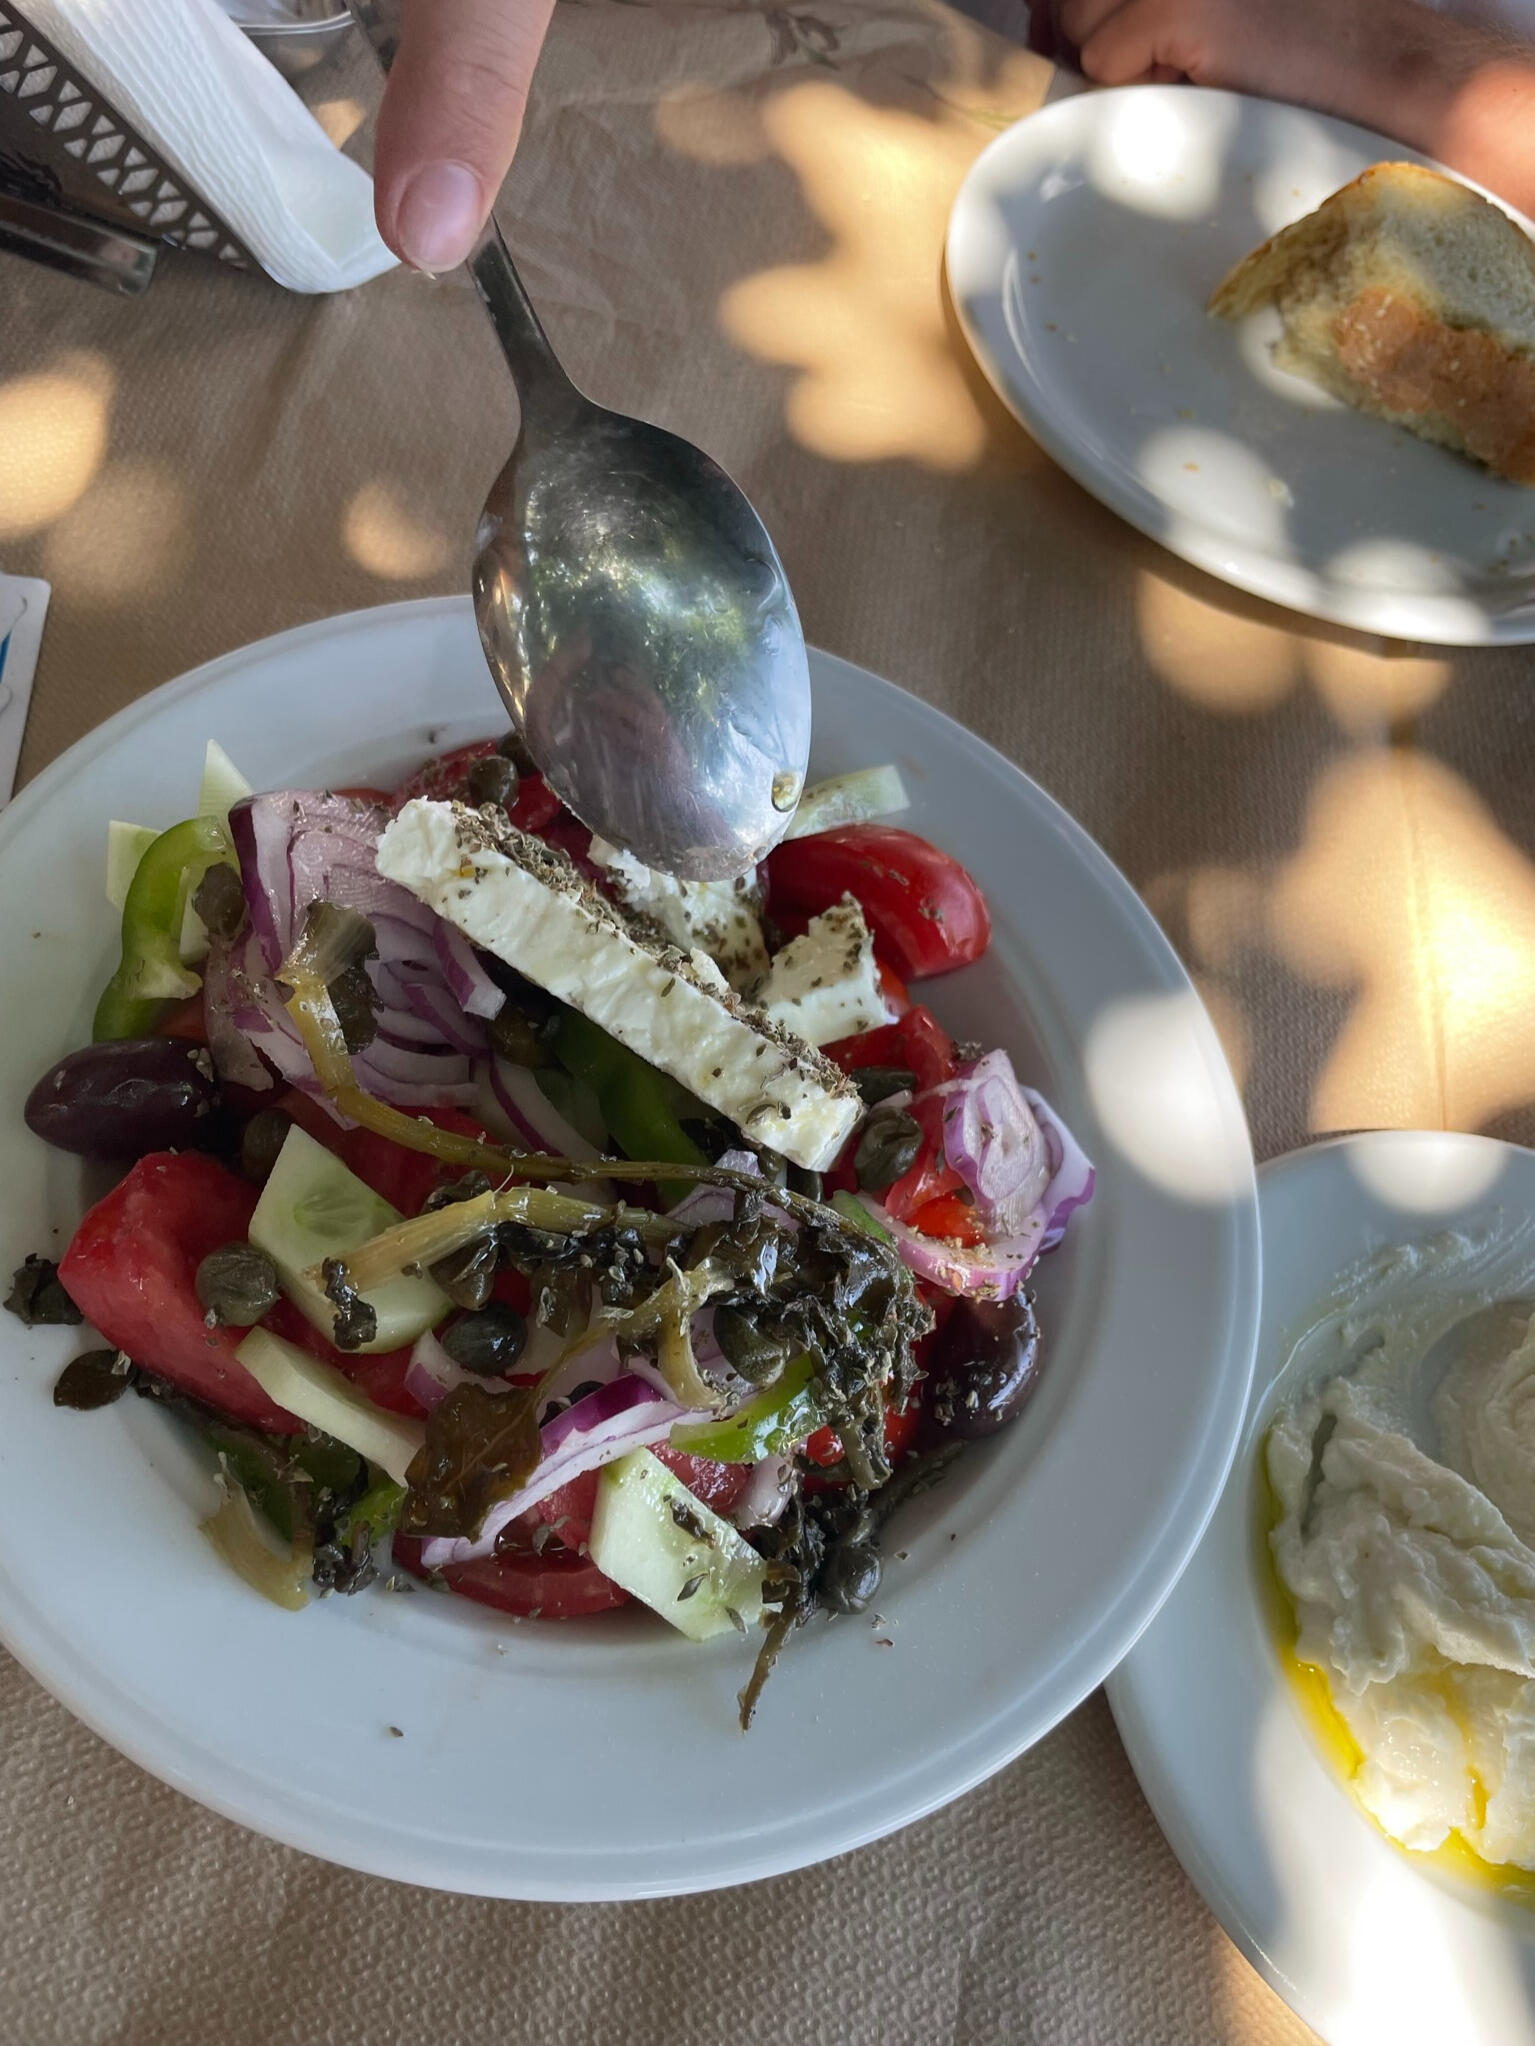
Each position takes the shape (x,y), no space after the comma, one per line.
(355,1002)
(758,1354)
(488,1343)
(514,748)
(236,1285)
(517,1037)
(851,1577)
(220,901)
(468,1275)
(493,779)
(887,1149)
(803,1181)
(467,1188)
(877,1083)
(260,1141)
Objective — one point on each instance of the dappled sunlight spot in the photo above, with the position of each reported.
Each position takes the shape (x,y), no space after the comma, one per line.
(1214,480)
(53,435)
(340,118)
(127,537)
(1406,892)
(881,375)
(1147,156)
(1304,163)
(385,537)
(1385,561)
(1370,691)
(706,126)
(1224,910)
(1423,1173)
(1151,1062)
(1212,655)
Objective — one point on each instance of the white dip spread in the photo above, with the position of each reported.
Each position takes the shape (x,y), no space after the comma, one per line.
(1405,1476)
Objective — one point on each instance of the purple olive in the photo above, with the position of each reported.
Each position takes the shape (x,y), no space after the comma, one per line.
(983,1367)
(127,1098)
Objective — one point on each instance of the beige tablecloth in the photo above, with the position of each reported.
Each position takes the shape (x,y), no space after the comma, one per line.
(732,219)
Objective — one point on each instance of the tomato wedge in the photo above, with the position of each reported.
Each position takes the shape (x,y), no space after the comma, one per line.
(925,911)
(918,1042)
(558,1585)
(131,1268)
(825,1446)
(445,778)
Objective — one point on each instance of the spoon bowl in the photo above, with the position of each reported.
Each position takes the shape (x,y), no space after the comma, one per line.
(640,629)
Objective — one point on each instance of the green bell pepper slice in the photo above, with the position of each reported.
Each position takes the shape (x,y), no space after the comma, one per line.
(777,1419)
(638,1103)
(150,972)
(852,1210)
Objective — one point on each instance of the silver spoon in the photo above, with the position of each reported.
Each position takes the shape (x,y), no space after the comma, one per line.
(634,613)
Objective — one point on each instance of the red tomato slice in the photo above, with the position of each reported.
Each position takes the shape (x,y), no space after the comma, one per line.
(445,778)
(558,1585)
(359,792)
(718,1485)
(536,805)
(895,991)
(918,1041)
(922,906)
(130,1270)
(951,1217)
(825,1446)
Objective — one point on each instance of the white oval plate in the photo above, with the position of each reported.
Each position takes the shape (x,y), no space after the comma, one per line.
(1082,249)
(602,1759)
(1361,1941)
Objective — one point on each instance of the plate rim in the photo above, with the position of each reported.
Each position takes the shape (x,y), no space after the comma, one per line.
(53,1658)
(1200,1858)
(1373,610)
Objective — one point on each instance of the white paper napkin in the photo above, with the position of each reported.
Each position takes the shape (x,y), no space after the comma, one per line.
(23,606)
(184,75)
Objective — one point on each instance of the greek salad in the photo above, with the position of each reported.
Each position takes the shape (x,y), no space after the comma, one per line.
(510,1217)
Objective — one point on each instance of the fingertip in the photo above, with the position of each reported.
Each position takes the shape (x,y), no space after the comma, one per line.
(437,214)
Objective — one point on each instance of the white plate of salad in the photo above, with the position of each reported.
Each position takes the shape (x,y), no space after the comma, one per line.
(598,1390)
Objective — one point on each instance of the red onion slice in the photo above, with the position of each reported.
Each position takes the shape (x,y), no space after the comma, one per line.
(1072,1177)
(435,1005)
(234,1057)
(468,982)
(623,1415)
(987,1271)
(993,1142)
(432,1373)
(532,1116)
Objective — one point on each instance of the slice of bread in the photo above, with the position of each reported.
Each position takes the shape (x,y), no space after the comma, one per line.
(1411,297)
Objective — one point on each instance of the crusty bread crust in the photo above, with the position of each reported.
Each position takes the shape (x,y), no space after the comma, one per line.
(1411,297)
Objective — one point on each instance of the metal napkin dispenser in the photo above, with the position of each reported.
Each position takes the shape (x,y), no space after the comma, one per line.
(80,188)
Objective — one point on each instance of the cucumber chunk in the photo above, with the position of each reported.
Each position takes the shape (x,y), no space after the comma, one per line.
(318,1393)
(656,1540)
(313,1208)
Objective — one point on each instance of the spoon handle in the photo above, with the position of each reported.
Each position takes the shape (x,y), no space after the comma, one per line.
(523,341)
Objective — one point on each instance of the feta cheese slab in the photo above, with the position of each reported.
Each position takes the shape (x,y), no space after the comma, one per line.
(825,984)
(721,918)
(512,895)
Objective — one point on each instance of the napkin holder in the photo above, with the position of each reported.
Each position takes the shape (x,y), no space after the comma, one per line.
(80,188)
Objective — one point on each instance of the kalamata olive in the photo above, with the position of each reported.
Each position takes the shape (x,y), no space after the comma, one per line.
(759,1354)
(123,1099)
(887,1149)
(983,1367)
(236,1285)
(260,1141)
(876,1083)
(488,1343)
(493,779)
(220,900)
(851,1577)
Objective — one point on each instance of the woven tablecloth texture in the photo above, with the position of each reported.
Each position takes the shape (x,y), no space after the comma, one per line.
(732,220)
